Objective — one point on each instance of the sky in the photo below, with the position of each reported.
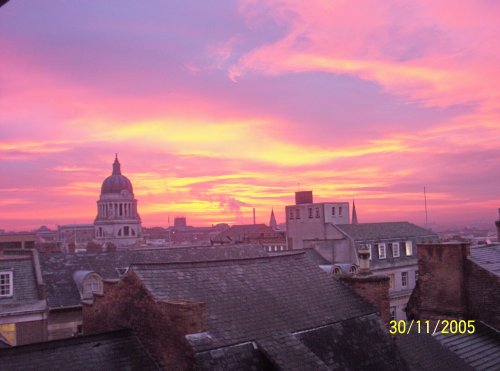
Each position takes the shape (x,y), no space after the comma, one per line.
(215,108)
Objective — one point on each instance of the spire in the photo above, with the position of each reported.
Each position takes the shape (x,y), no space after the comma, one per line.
(272,220)
(116,166)
(354,214)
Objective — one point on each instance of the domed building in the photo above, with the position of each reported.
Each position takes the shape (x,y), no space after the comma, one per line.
(117,220)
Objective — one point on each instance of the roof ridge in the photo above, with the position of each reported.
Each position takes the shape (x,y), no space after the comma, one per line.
(204,262)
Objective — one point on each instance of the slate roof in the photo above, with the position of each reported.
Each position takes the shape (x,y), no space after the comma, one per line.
(270,301)
(119,350)
(387,230)
(488,257)
(25,293)
(424,352)
(480,350)
(58,268)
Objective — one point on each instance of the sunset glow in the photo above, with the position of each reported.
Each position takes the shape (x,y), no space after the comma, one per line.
(215,109)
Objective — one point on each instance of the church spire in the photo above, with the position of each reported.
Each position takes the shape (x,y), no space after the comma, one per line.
(116,166)
(354,214)
(272,220)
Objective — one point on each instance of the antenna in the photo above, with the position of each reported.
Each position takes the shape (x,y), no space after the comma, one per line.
(425,203)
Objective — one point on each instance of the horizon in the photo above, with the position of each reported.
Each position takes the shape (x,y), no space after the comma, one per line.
(216,109)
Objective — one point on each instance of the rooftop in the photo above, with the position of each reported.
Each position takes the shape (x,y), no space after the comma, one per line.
(289,317)
(487,257)
(387,230)
(118,350)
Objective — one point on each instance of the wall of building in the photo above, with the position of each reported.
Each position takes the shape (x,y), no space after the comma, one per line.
(64,323)
(482,289)
(161,326)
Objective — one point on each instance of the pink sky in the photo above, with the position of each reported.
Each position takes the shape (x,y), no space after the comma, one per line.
(218,108)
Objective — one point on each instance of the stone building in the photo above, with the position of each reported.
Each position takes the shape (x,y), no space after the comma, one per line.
(117,221)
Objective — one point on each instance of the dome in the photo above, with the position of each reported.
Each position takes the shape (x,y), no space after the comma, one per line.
(116,182)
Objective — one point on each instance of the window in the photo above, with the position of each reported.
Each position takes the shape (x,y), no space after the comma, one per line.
(126,230)
(8,331)
(297,213)
(6,284)
(393,313)
(381,250)
(409,248)
(391,281)
(333,211)
(404,279)
(92,285)
(340,210)
(395,249)
(291,214)
(317,212)
(369,245)
(310,213)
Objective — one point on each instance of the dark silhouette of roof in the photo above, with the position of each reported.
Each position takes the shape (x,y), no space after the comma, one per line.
(377,231)
(116,182)
(58,268)
(118,350)
(245,232)
(285,305)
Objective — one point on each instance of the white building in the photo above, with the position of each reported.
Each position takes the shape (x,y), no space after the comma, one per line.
(117,220)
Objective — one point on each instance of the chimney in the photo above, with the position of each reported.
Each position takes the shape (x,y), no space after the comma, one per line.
(303,197)
(374,288)
(364,259)
(497,223)
(440,292)
(185,316)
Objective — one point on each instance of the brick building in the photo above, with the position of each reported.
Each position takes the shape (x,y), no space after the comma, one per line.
(261,234)
(457,282)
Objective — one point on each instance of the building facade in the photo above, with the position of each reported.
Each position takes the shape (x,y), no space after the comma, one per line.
(117,221)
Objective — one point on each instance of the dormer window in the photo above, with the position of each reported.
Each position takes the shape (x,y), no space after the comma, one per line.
(92,284)
(6,284)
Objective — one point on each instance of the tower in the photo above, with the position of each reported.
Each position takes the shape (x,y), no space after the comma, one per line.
(272,220)
(117,220)
(354,219)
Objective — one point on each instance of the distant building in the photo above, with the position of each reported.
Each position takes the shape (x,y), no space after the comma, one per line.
(325,228)
(306,220)
(117,221)
(180,222)
(260,234)
(75,237)
(272,221)
(17,240)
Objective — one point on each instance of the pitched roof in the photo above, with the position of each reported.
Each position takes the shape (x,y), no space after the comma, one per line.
(269,301)
(25,292)
(480,350)
(424,352)
(119,350)
(488,257)
(386,230)
(58,268)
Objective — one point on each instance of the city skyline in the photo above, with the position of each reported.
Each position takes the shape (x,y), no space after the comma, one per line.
(216,109)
